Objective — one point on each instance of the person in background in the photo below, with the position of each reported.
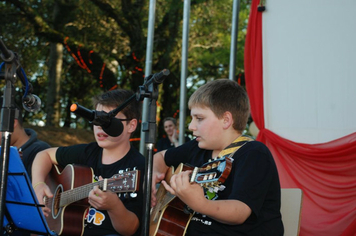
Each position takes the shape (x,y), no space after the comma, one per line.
(26,141)
(251,200)
(108,214)
(28,145)
(172,139)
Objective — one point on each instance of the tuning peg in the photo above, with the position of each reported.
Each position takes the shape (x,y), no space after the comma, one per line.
(121,172)
(221,188)
(133,195)
(127,169)
(126,195)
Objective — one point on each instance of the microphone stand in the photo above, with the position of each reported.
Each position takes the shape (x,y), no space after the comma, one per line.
(7,119)
(149,90)
(149,127)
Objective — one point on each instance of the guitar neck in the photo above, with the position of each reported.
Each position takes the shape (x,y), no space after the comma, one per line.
(79,193)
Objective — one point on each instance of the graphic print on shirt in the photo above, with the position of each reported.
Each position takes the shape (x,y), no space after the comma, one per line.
(201,218)
(94,216)
(210,195)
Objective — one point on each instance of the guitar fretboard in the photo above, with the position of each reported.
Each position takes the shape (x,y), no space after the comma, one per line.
(77,194)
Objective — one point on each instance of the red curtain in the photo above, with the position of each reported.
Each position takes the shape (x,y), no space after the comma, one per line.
(325,172)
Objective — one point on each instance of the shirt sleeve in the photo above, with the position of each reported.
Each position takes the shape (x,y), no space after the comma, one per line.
(252,177)
(181,154)
(71,155)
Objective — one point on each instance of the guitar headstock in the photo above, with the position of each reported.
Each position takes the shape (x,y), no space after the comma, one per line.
(213,173)
(123,182)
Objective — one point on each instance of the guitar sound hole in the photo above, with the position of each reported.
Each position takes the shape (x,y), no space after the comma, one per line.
(56,207)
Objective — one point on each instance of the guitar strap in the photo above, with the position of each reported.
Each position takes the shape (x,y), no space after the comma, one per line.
(230,150)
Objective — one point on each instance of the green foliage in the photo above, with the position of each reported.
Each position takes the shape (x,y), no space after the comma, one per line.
(105,46)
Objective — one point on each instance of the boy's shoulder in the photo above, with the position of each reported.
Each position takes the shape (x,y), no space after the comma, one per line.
(254,149)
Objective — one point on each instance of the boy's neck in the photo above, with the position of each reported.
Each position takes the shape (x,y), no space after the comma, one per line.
(19,138)
(228,139)
(112,155)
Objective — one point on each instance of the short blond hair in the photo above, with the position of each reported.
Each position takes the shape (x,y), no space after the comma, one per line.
(223,95)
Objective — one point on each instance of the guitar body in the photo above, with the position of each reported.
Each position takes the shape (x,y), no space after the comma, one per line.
(67,220)
(171,217)
(172,220)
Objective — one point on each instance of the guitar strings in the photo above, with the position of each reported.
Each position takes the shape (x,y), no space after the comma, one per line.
(61,199)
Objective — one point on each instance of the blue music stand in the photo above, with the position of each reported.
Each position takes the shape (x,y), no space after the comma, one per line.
(22,210)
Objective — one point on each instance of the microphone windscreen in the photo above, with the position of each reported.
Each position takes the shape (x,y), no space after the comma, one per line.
(31,103)
(115,127)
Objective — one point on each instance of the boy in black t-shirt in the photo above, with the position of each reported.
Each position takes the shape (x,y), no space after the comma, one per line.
(109,213)
(250,202)
(26,140)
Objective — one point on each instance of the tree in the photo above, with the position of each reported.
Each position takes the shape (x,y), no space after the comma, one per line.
(104,46)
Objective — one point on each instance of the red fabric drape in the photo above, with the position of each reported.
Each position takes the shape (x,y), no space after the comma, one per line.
(325,172)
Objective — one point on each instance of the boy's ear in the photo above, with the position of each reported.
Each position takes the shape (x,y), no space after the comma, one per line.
(16,123)
(227,119)
(132,125)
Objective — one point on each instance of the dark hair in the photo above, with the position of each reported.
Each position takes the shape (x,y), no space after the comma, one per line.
(171,119)
(223,95)
(115,98)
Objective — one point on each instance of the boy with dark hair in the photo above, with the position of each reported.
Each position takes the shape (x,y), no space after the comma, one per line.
(28,145)
(25,140)
(109,214)
(250,202)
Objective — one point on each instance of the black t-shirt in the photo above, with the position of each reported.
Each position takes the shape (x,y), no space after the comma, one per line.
(97,222)
(30,149)
(253,180)
(165,143)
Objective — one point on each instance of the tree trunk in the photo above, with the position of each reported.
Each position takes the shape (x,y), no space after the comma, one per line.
(54,76)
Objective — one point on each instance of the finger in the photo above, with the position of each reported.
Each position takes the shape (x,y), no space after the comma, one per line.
(96,191)
(172,181)
(153,189)
(159,177)
(153,200)
(91,194)
(46,211)
(178,180)
(168,188)
(186,176)
(92,198)
(48,192)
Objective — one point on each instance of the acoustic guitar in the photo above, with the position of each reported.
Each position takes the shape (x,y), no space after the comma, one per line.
(71,188)
(171,216)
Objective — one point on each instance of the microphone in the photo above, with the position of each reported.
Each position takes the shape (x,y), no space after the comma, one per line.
(111,125)
(159,77)
(31,103)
